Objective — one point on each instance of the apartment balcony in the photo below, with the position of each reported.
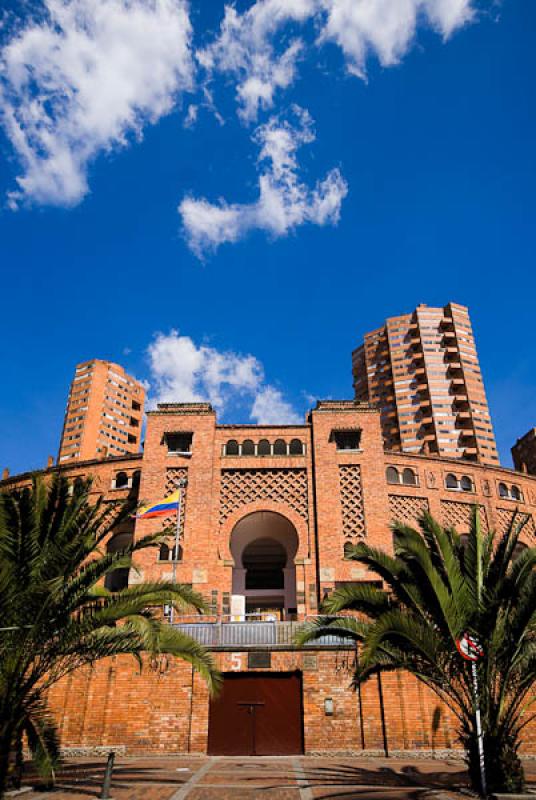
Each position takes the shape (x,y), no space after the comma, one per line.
(448,334)
(450,349)
(463,415)
(468,433)
(457,382)
(453,365)
(427,421)
(262,633)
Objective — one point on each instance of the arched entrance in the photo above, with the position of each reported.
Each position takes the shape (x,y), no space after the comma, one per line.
(263,545)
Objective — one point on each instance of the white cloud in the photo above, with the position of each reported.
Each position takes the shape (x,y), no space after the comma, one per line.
(245,49)
(386,28)
(81,81)
(270,408)
(283,203)
(254,46)
(183,371)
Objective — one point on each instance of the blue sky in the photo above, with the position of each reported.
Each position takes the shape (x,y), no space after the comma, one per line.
(226,217)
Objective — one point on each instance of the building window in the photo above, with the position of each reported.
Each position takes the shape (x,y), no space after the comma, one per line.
(231,448)
(136,477)
(466,484)
(451,481)
(347,440)
(132,439)
(136,406)
(296,447)
(510,493)
(264,448)
(515,493)
(179,443)
(392,475)
(163,553)
(121,480)
(248,448)
(280,447)
(409,478)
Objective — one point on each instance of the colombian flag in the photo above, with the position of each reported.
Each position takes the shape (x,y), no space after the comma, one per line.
(161,509)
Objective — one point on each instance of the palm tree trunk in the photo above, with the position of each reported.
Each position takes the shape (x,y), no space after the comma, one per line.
(6,743)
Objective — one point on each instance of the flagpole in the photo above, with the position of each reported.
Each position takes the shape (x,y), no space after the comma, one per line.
(181,485)
(479,731)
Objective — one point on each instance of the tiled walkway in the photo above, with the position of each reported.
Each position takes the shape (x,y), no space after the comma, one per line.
(298,778)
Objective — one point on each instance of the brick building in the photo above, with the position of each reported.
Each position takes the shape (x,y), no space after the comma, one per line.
(268,514)
(104,413)
(422,371)
(524,453)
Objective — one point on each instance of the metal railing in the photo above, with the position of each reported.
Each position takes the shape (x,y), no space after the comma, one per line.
(262,633)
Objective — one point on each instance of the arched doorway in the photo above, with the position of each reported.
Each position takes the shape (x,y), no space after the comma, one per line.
(264,545)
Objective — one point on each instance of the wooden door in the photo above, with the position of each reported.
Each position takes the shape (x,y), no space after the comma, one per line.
(257,713)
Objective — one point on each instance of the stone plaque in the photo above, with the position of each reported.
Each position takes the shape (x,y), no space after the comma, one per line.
(310,663)
(327,574)
(199,576)
(260,660)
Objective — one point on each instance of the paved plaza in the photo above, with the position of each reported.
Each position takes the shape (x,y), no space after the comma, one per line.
(276,778)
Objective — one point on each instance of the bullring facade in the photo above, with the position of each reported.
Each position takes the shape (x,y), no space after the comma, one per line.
(268,516)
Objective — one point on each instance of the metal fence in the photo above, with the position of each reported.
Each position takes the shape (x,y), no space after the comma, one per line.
(275,634)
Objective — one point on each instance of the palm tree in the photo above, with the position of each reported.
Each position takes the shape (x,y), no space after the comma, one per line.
(56,615)
(437,586)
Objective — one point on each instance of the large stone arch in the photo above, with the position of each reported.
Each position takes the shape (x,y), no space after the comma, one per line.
(263,545)
(299,523)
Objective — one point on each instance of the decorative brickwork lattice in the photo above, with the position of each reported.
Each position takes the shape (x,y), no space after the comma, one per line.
(353,511)
(505,517)
(239,487)
(407,509)
(458,515)
(173,476)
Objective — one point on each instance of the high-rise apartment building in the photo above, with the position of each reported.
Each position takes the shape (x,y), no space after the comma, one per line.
(524,453)
(104,413)
(421,369)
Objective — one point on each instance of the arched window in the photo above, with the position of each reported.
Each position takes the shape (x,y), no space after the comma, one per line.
(121,480)
(296,447)
(175,554)
(515,493)
(392,475)
(117,579)
(248,448)
(451,481)
(466,484)
(519,549)
(163,553)
(503,490)
(136,475)
(409,478)
(348,550)
(263,448)
(231,448)
(280,447)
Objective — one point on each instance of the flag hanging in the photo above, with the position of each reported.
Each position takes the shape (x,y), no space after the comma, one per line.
(162,508)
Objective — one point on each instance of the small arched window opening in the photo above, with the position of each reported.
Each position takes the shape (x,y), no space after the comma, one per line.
(515,493)
(280,447)
(176,553)
(392,475)
(163,553)
(348,550)
(117,580)
(264,448)
(136,476)
(519,549)
(248,448)
(451,481)
(503,490)
(466,484)
(296,447)
(121,480)
(231,448)
(409,478)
